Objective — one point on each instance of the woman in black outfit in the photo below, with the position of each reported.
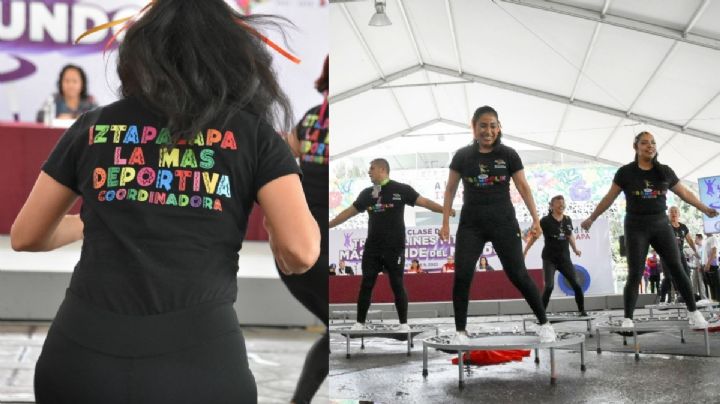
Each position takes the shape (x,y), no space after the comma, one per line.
(645,183)
(168,176)
(309,142)
(558,232)
(486,167)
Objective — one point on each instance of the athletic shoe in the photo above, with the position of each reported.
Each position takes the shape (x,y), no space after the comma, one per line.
(703,301)
(358,327)
(697,320)
(627,323)
(404,327)
(583,314)
(546,333)
(460,338)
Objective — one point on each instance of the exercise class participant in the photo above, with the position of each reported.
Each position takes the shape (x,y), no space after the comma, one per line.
(558,233)
(168,176)
(309,142)
(682,233)
(385,245)
(645,183)
(486,167)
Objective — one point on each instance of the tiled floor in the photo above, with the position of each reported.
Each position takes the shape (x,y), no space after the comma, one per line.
(276,357)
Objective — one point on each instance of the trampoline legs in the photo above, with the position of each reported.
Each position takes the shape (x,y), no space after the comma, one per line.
(553,375)
(347,346)
(460,370)
(425,361)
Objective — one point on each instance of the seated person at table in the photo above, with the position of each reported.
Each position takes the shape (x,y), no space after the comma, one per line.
(72,99)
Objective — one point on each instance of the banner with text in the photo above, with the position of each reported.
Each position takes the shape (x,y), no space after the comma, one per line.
(593,268)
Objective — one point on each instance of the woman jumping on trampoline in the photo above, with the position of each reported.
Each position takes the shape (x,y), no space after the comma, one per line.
(486,167)
(558,233)
(645,183)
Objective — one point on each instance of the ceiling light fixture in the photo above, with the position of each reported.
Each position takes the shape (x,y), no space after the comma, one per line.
(379,19)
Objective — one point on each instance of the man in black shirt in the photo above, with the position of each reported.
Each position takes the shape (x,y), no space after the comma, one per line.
(385,245)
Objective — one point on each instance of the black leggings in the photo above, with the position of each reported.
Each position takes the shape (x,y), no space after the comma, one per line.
(566,268)
(311,290)
(641,232)
(668,280)
(190,356)
(478,225)
(392,262)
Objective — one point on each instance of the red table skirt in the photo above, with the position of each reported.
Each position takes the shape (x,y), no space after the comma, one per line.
(433,287)
(25,146)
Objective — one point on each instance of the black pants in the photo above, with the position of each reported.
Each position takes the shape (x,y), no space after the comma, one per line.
(654,283)
(566,268)
(668,280)
(311,290)
(478,225)
(712,282)
(641,232)
(192,356)
(392,262)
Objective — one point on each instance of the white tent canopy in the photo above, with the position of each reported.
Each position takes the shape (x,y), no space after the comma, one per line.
(580,77)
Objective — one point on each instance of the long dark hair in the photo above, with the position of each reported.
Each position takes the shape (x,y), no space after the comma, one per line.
(322,83)
(192,62)
(657,166)
(486,109)
(83,78)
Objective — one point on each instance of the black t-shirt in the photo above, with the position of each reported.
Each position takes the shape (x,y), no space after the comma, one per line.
(314,137)
(386,225)
(486,176)
(163,225)
(680,233)
(557,236)
(645,190)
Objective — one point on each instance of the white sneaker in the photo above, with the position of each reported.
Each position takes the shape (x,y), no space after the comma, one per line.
(460,338)
(358,327)
(627,323)
(404,327)
(546,333)
(697,320)
(703,301)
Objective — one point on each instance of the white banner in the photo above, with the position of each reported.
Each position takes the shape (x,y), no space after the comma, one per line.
(593,269)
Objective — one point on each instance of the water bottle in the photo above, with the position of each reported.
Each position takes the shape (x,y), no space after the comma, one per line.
(49,111)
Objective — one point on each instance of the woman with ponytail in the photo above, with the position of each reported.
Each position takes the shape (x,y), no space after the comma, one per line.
(486,167)
(558,232)
(645,183)
(309,142)
(167,175)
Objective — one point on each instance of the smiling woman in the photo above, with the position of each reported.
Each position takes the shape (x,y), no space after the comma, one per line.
(486,167)
(646,183)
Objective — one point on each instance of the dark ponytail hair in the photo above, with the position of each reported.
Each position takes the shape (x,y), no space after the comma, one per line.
(657,166)
(553,199)
(194,62)
(321,84)
(486,109)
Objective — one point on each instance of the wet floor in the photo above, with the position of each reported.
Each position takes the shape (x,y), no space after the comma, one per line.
(668,371)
